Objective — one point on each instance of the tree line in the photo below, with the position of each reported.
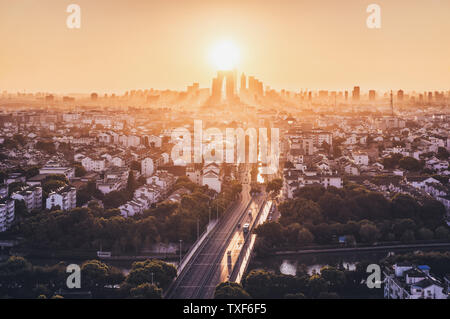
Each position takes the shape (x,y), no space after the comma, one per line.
(332,282)
(320,216)
(146,279)
(92,227)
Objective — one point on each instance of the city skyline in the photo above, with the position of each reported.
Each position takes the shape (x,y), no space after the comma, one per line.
(168,45)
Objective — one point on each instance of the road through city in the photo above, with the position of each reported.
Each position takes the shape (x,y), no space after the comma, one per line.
(200,276)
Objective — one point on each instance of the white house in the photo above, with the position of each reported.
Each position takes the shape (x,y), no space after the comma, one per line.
(406,281)
(53,167)
(361,158)
(147,167)
(211,177)
(32,196)
(65,198)
(96,165)
(7,207)
(116,161)
(194,174)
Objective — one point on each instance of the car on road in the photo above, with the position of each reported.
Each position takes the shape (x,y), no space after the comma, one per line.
(246,228)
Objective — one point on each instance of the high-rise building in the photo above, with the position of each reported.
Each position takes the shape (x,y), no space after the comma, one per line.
(230,86)
(400,95)
(243,83)
(372,95)
(392,103)
(356,94)
(323,95)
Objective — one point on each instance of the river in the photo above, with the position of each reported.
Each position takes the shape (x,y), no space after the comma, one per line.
(288,265)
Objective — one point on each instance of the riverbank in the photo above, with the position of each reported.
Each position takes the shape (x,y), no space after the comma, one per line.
(362,249)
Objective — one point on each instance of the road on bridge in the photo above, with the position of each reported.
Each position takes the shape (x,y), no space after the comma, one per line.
(205,269)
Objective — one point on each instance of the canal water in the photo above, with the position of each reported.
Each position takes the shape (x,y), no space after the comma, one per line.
(289,265)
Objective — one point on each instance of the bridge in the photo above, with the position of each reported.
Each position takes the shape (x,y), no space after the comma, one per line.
(215,259)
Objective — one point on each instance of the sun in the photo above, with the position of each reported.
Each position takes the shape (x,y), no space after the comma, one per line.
(225,55)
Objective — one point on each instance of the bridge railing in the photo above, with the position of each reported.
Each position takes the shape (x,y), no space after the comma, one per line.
(244,256)
(194,247)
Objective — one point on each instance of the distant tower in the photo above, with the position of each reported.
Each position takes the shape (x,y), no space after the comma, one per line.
(243,83)
(392,104)
(230,87)
(356,94)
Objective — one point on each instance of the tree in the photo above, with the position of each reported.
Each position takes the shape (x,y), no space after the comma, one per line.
(443,154)
(369,233)
(48,147)
(236,189)
(14,187)
(131,183)
(146,291)
(335,278)
(404,206)
(410,164)
(154,270)
(115,199)
(31,172)
(16,272)
(313,192)
(408,236)
(274,186)
(442,232)
(317,285)
(230,290)
(432,213)
(425,233)
(305,237)
(80,171)
(402,225)
(94,274)
(272,232)
(135,165)
(257,284)
(392,161)
(331,205)
(52,185)
(300,210)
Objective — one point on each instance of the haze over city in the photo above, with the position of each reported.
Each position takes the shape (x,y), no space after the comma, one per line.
(251,150)
(289,44)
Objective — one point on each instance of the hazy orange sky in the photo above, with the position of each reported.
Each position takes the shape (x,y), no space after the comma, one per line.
(292,44)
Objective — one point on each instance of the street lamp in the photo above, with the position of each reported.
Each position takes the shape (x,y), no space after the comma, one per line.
(217,209)
(198,228)
(180,252)
(209,215)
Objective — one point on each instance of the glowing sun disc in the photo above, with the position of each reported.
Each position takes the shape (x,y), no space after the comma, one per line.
(225,55)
